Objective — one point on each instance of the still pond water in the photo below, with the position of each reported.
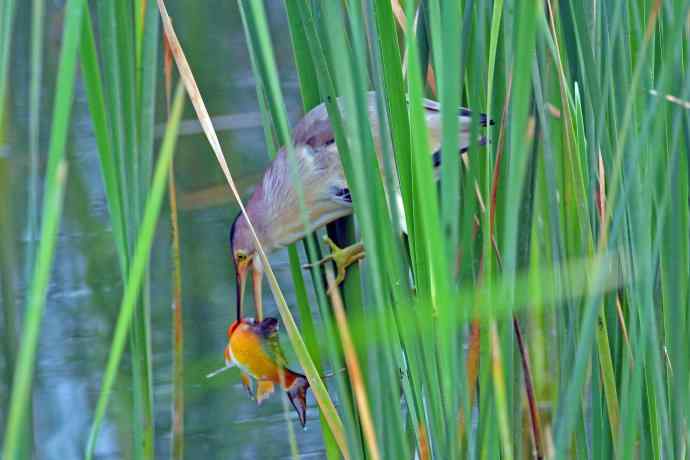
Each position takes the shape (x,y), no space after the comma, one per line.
(85,289)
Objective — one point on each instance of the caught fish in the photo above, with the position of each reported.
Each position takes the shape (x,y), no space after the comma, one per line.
(254,348)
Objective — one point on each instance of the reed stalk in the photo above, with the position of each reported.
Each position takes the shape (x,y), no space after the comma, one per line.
(568,229)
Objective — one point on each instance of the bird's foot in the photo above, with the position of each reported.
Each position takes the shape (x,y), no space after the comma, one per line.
(341,257)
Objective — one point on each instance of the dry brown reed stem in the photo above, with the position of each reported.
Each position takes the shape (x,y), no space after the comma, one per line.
(353,368)
(319,390)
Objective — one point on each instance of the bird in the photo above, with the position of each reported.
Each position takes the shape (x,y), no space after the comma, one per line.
(274,206)
(254,347)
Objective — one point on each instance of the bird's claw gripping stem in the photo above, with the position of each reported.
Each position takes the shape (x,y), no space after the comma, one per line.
(341,257)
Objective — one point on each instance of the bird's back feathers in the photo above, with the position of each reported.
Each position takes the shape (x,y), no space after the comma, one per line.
(276,202)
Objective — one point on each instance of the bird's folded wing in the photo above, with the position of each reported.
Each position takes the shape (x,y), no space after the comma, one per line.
(341,195)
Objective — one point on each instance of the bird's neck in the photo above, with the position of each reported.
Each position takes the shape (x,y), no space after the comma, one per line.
(259,214)
(275,215)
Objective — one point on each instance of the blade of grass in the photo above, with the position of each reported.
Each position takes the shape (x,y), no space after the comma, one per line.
(138,267)
(37,13)
(22,383)
(398,174)
(178,326)
(177,441)
(354,368)
(364,178)
(296,340)
(7,12)
(266,71)
(36,63)
(394,90)
(575,139)
(310,98)
(430,261)
(147,75)
(138,132)
(321,56)
(270,143)
(8,281)
(111,122)
(590,306)
(116,127)
(99,118)
(500,391)
(674,256)
(51,212)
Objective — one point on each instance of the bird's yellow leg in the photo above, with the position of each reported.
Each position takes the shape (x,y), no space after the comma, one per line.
(341,257)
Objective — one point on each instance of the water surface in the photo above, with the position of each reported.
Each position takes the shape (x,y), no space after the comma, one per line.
(85,289)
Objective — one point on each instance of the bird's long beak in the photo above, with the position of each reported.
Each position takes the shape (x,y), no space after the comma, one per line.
(241,276)
(257,278)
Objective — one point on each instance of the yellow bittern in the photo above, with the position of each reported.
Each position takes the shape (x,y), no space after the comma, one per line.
(274,207)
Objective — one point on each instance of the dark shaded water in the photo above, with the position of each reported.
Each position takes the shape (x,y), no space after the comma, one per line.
(85,289)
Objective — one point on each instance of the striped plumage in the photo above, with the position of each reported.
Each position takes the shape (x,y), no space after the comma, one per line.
(274,207)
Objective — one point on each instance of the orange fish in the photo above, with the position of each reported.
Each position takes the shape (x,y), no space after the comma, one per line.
(254,348)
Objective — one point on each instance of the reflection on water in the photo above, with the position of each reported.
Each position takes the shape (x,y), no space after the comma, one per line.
(85,289)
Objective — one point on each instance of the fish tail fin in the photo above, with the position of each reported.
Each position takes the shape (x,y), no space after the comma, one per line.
(296,388)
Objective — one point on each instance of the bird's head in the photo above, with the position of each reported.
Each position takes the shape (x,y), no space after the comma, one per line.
(244,256)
